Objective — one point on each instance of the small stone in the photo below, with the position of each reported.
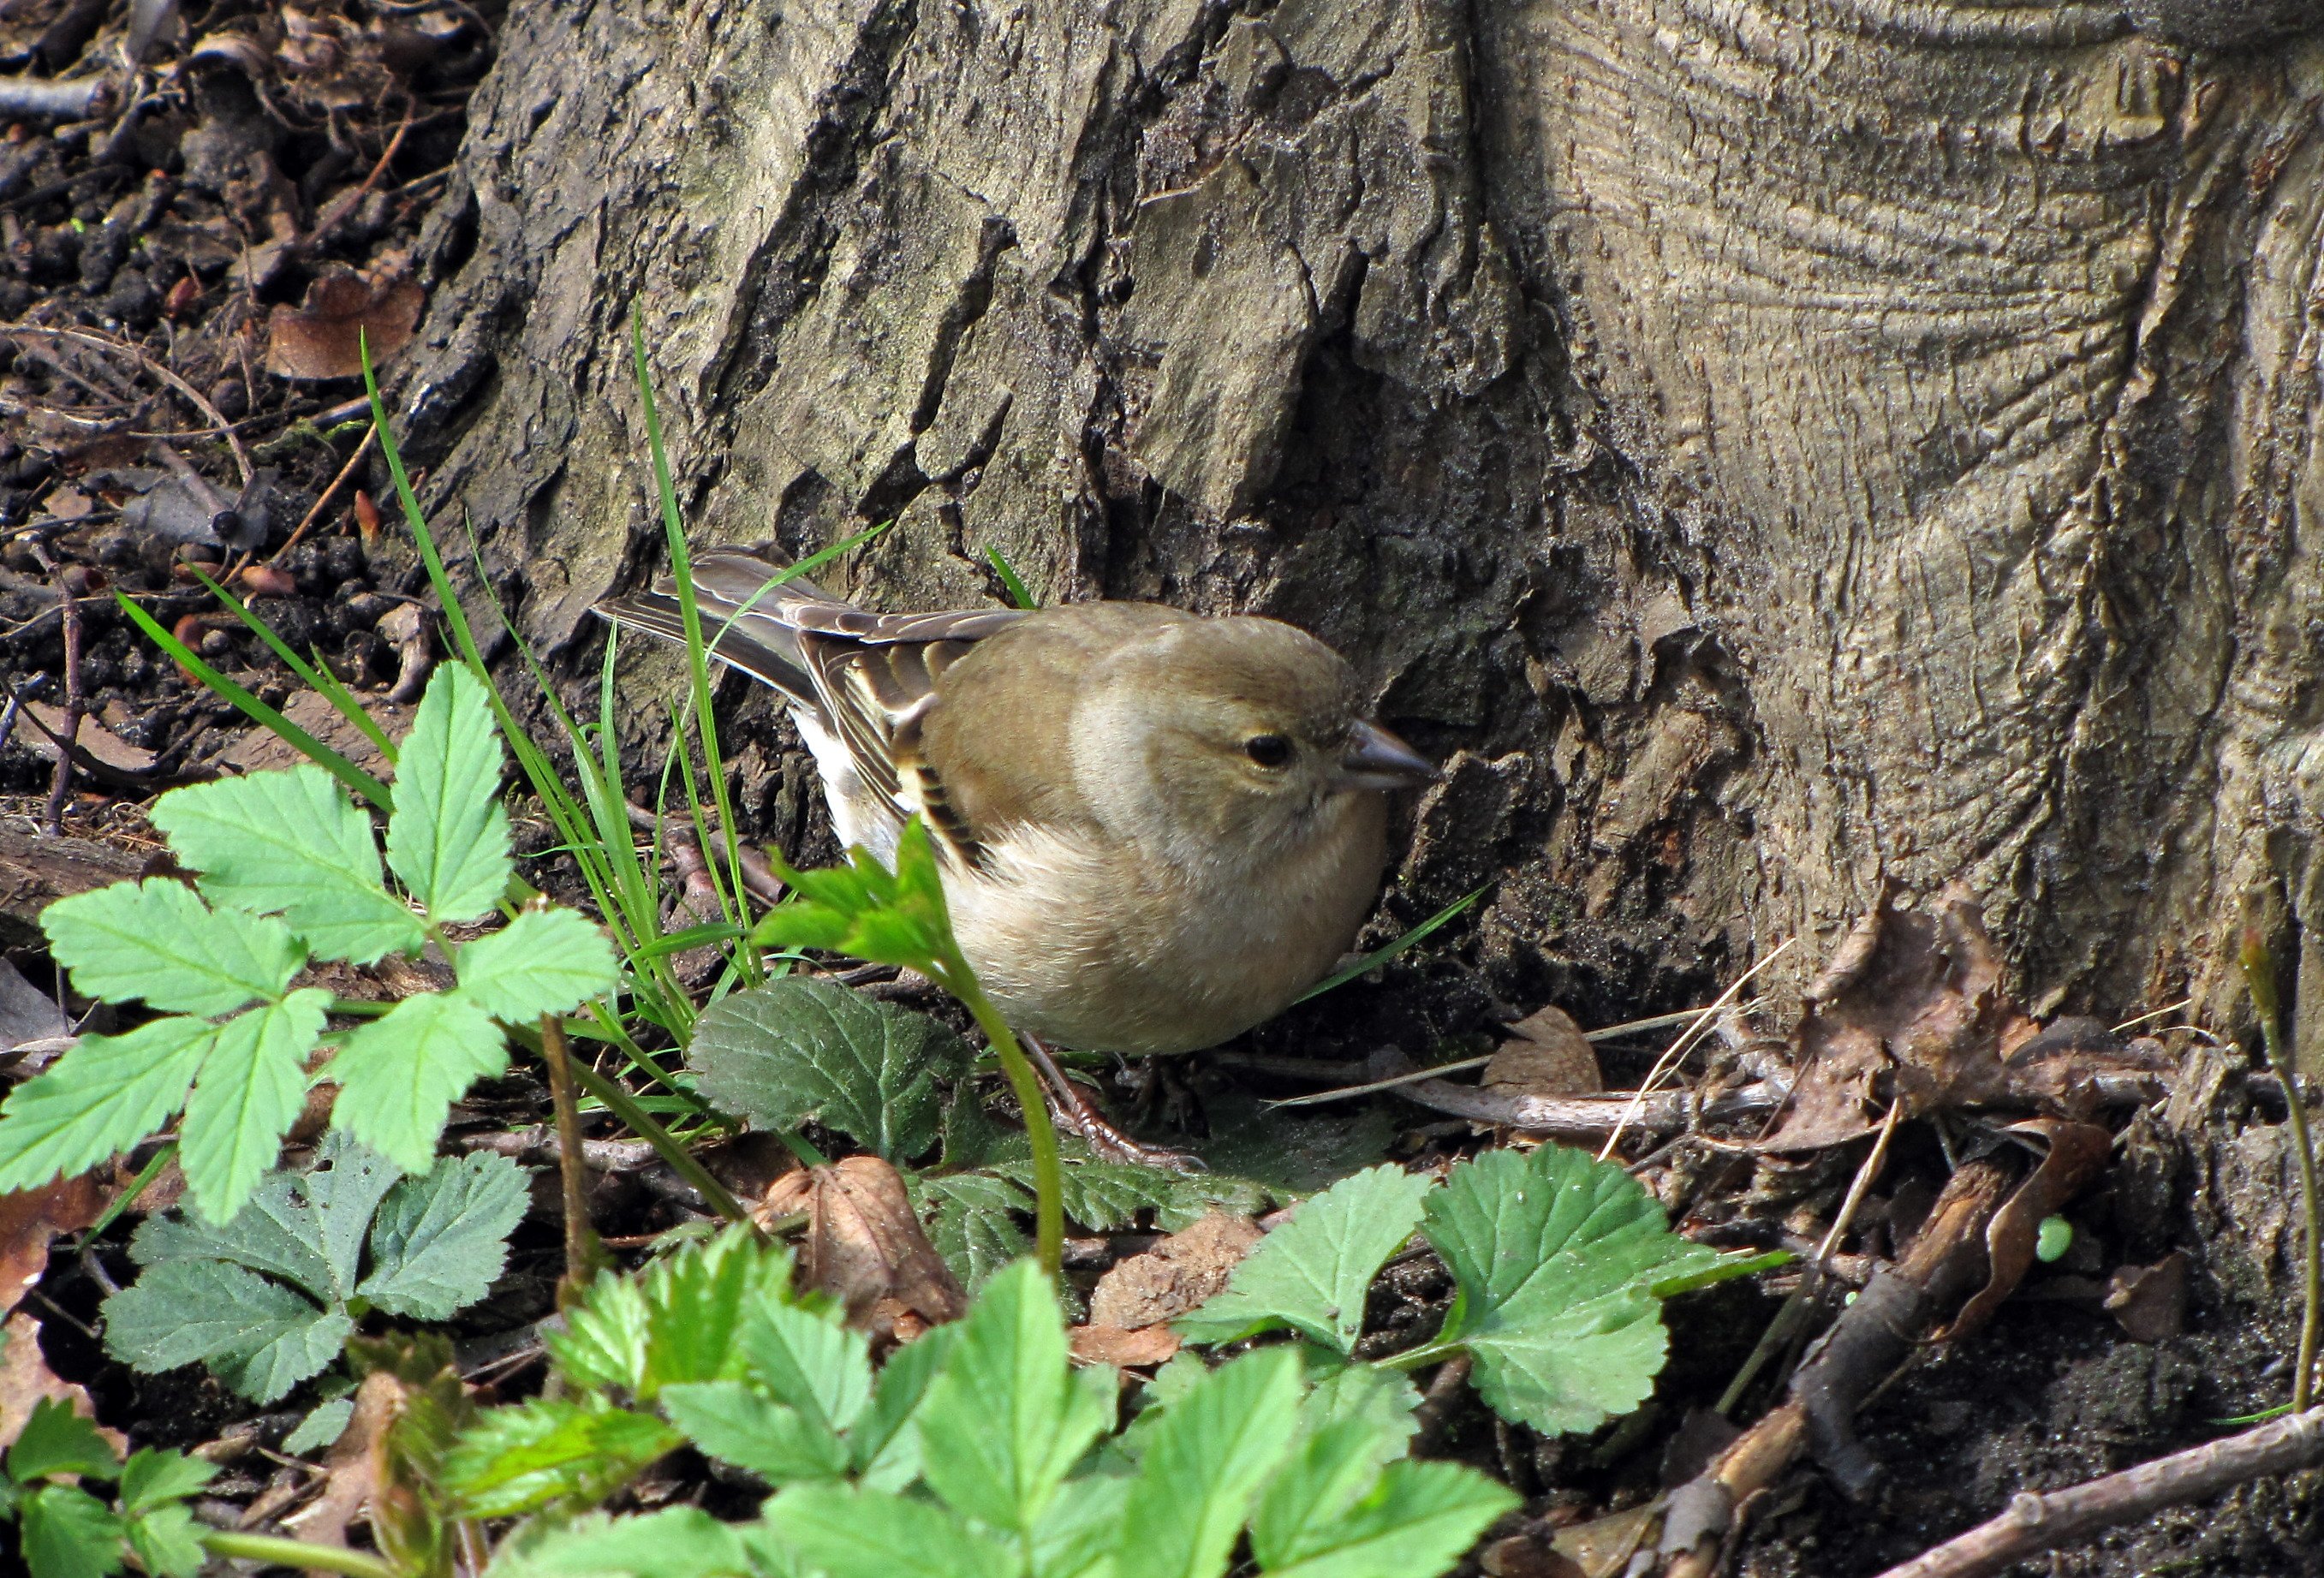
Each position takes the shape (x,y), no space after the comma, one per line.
(231,398)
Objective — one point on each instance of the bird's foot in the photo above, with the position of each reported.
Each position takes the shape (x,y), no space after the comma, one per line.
(1071,1106)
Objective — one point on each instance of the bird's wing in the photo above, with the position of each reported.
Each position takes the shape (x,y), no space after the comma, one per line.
(863,679)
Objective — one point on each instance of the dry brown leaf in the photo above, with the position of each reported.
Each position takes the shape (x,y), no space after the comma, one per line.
(25,1379)
(1173,1276)
(350,1468)
(2150,1301)
(1546,1056)
(29,1219)
(323,336)
(101,743)
(2072,1154)
(1911,1010)
(1604,1546)
(1122,1347)
(865,1247)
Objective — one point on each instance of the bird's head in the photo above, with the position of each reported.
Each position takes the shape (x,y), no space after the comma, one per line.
(1230,734)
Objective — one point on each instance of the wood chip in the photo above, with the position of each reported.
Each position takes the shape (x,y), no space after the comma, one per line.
(1175,1276)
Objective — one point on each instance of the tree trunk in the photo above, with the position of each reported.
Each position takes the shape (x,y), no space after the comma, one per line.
(1782,446)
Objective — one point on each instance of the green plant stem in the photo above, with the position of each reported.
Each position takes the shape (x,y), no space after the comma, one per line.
(2259,979)
(294,1553)
(641,1123)
(581,1251)
(1048,1179)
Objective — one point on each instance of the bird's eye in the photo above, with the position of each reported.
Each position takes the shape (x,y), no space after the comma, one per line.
(1267,749)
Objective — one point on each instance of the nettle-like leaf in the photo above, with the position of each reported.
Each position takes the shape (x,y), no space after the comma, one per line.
(156,942)
(1558,1259)
(975,1227)
(975,1213)
(251,1088)
(1312,1273)
(888,917)
(675,1541)
(448,839)
(291,843)
(575,1451)
(268,1299)
(800,1048)
(102,1097)
(680,1320)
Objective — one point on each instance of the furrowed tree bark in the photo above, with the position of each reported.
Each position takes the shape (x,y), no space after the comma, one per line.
(1769,446)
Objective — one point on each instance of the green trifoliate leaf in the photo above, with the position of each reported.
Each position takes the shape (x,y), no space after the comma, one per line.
(449,837)
(862,908)
(251,1088)
(736,1424)
(324,1424)
(101,1098)
(68,1533)
(566,1450)
(1556,1257)
(291,843)
(810,1361)
(260,1337)
(676,1542)
(1004,1418)
(1415,1522)
(886,1441)
(680,1322)
(544,961)
(399,1075)
(1312,1273)
(155,1477)
(156,941)
(1203,1464)
(55,1440)
(168,1542)
(843,1533)
(440,1242)
(1328,1472)
(800,1048)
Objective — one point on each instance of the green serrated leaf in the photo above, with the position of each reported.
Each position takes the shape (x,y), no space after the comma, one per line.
(845,1533)
(1203,1464)
(886,1440)
(276,1233)
(167,1541)
(544,961)
(864,909)
(975,1224)
(1556,1255)
(738,1425)
(251,1088)
(676,1542)
(440,1242)
(680,1322)
(156,941)
(808,1361)
(1005,1420)
(54,1440)
(1312,1273)
(260,1338)
(448,839)
(399,1075)
(101,1098)
(343,1186)
(68,1533)
(580,1451)
(155,1477)
(324,1424)
(800,1048)
(1331,1470)
(291,844)
(1381,1399)
(1076,1535)
(1415,1523)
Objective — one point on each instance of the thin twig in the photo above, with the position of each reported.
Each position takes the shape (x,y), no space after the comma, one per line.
(192,395)
(2037,1523)
(1576,1117)
(346,471)
(1687,1037)
(60,786)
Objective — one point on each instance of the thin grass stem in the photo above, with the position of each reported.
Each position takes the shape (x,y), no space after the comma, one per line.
(2259,980)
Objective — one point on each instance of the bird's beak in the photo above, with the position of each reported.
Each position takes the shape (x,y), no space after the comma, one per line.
(1376,760)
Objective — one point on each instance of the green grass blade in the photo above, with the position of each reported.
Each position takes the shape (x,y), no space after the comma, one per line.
(1008,579)
(1381,956)
(258,711)
(316,676)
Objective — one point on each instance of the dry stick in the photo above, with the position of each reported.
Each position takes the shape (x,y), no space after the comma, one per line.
(2259,980)
(581,1253)
(1687,1037)
(371,436)
(1574,1117)
(1794,1314)
(2038,1523)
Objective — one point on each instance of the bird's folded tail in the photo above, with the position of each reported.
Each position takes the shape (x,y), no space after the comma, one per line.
(747,614)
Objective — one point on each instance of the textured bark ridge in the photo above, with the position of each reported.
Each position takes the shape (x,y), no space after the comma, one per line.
(1780,444)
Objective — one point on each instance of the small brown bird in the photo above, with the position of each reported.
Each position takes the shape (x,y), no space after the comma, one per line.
(1155,830)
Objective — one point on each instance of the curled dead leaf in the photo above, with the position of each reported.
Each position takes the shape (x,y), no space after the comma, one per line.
(1546,1055)
(30,1221)
(26,1379)
(2150,1301)
(1122,1347)
(325,334)
(865,1247)
(2071,1154)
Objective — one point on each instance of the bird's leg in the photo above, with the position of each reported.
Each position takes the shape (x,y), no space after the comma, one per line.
(1073,1109)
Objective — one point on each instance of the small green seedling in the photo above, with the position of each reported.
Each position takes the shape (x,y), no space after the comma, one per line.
(2052,1239)
(289,871)
(268,1300)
